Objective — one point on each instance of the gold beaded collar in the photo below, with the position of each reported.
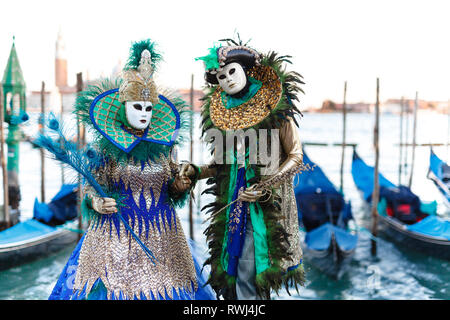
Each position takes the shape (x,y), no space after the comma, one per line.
(253,111)
(136,132)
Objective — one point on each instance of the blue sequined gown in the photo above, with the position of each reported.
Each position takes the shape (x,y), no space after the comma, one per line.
(108,263)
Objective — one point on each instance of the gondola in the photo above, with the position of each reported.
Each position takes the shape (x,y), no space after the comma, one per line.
(47,232)
(323,213)
(439,173)
(407,220)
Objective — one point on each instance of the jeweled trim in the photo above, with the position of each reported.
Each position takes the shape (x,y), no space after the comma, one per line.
(253,111)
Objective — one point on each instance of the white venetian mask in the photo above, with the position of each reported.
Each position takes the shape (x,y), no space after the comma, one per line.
(232,78)
(139,113)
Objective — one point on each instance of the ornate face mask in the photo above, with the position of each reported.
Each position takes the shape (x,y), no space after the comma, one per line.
(232,78)
(139,113)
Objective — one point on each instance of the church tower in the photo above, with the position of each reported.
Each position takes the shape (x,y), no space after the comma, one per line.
(13,83)
(15,113)
(60,63)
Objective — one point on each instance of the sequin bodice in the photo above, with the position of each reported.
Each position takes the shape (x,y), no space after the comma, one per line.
(111,254)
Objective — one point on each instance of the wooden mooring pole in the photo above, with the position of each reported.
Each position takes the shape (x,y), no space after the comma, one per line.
(400,164)
(79,145)
(344,127)
(6,217)
(41,125)
(191,218)
(448,129)
(405,151)
(411,173)
(376,187)
(61,119)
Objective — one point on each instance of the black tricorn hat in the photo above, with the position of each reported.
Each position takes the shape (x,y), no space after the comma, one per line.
(243,55)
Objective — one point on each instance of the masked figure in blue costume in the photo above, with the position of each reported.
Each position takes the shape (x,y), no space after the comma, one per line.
(134,247)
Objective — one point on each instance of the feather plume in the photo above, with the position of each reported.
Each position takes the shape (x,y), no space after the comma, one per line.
(67,152)
(136,50)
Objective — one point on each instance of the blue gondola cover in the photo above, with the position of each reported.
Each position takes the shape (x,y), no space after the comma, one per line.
(24,231)
(363,177)
(313,181)
(432,226)
(319,203)
(60,209)
(439,173)
(320,238)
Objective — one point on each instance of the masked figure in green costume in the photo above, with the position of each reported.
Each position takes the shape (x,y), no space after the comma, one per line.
(253,237)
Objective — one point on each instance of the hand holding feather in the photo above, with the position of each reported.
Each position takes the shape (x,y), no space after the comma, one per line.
(104,205)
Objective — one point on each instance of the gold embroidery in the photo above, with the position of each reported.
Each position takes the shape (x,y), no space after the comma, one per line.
(253,111)
(140,179)
(119,261)
(289,222)
(125,269)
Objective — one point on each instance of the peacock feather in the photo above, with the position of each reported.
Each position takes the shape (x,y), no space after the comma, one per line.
(65,151)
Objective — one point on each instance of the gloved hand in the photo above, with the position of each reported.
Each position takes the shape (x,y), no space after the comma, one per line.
(181,183)
(104,205)
(187,170)
(251,195)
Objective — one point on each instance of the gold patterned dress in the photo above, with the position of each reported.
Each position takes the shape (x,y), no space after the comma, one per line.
(109,263)
(139,252)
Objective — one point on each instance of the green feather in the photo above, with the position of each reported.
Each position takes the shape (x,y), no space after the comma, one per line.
(136,51)
(211,61)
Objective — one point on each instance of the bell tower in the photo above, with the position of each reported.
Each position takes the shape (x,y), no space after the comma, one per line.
(15,113)
(60,62)
(14,94)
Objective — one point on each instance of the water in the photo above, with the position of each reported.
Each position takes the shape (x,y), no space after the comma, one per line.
(394,274)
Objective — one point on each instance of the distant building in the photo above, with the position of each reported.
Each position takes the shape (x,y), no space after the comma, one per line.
(358,107)
(60,62)
(58,94)
(389,106)
(68,93)
(34,100)
(13,84)
(330,106)
(14,105)
(394,105)
(443,107)
(52,101)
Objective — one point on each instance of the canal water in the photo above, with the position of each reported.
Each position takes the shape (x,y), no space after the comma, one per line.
(395,273)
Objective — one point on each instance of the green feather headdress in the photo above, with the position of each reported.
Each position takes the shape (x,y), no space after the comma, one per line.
(210,60)
(136,51)
(101,110)
(144,149)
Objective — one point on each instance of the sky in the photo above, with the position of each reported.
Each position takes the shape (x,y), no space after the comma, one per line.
(404,43)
